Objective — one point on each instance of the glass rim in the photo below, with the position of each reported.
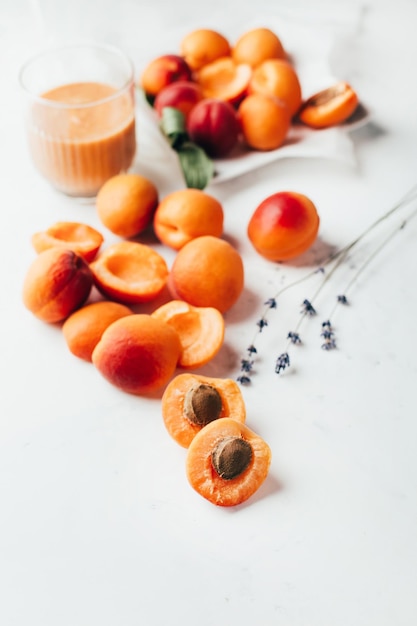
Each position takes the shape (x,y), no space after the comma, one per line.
(82,105)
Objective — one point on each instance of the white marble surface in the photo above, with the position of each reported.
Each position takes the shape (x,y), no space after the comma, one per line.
(98,525)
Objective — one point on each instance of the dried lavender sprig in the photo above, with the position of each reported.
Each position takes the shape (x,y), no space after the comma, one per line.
(338,256)
(342,299)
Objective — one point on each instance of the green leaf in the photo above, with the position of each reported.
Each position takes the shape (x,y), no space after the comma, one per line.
(173,126)
(196,166)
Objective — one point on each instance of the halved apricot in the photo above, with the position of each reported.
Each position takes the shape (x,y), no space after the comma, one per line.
(227,462)
(130,272)
(329,107)
(191,401)
(224,79)
(200,329)
(80,238)
(83,329)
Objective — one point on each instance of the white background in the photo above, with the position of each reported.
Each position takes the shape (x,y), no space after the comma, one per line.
(98,525)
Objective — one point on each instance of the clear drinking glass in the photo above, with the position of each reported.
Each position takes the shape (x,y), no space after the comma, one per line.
(80,115)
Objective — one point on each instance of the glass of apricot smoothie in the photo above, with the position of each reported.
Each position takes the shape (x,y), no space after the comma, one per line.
(80,115)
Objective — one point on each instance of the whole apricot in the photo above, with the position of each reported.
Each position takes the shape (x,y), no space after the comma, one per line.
(126,204)
(186,214)
(182,95)
(207,272)
(137,353)
(278,78)
(264,121)
(213,125)
(202,46)
(283,226)
(56,284)
(163,71)
(257,45)
(82,330)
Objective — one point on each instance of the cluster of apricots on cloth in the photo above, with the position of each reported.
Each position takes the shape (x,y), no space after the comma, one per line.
(243,94)
(141,353)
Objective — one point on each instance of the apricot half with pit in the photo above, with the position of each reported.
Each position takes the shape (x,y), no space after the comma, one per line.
(137,353)
(130,272)
(56,284)
(191,401)
(227,462)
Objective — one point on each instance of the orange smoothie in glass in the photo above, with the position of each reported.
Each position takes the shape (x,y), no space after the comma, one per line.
(81,134)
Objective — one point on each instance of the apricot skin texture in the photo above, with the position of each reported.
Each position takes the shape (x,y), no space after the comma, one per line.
(57,283)
(138,354)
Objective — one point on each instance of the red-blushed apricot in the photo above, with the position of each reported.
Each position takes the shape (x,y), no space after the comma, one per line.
(278,78)
(81,238)
(83,329)
(213,125)
(202,46)
(190,401)
(200,329)
(224,79)
(130,272)
(186,214)
(264,121)
(227,462)
(56,284)
(257,45)
(329,107)
(182,95)
(138,353)
(163,71)
(207,272)
(126,204)
(283,226)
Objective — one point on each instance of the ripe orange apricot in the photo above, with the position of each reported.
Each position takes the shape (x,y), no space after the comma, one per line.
(283,226)
(137,353)
(81,238)
(83,329)
(207,272)
(224,79)
(182,95)
(329,107)
(203,46)
(130,272)
(190,401)
(264,121)
(186,214)
(56,284)
(200,329)
(278,78)
(163,71)
(257,45)
(213,125)
(126,204)
(227,462)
